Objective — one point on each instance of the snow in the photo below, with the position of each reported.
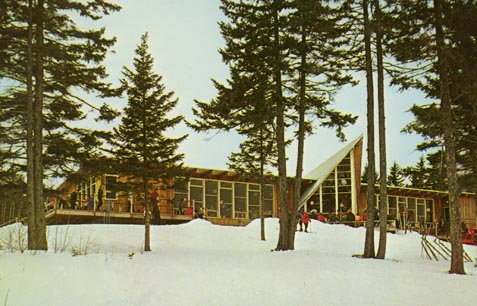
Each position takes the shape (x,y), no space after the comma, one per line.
(199,263)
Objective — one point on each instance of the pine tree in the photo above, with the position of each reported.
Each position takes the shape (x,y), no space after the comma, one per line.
(48,56)
(369,241)
(439,40)
(254,48)
(274,47)
(257,154)
(443,64)
(395,176)
(364,175)
(143,149)
(244,106)
(418,175)
(318,52)
(383,191)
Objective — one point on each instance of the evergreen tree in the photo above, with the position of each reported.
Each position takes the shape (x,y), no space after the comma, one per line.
(73,60)
(383,191)
(443,64)
(48,56)
(369,241)
(316,30)
(439,40)
(243,105)
(143,149)
(256,154)
(436,171)
(395,176)
(273,47)
(418,175)
(364,175)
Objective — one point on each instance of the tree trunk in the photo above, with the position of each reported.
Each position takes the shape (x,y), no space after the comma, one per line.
(147,214)
(147,218)
(301,125)
(262,219)
(457,260)
(262,186)
(383,191)
(369,241)
(286,239)
(29,133)
(39,206)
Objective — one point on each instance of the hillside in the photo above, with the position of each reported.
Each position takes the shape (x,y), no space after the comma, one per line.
(203,264)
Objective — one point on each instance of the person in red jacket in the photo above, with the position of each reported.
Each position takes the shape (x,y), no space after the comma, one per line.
(305,219)
(321,218)
(189,211)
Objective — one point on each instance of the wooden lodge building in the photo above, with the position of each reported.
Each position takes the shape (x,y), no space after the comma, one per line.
(228,199)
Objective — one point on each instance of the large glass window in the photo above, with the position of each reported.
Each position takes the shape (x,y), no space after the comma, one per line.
(87,189)
(228,199)
(197,193)
(254,201)
(421,210)
(268,200)
(412,209)
(392,205)
(211,198)
(180,193)
(328,191)
(240,197)
(429,211)
(336,189)
(411,206)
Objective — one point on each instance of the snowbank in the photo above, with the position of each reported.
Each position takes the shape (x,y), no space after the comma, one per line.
(199,263)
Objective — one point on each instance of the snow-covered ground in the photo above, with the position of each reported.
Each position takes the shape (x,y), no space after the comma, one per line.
(203,264)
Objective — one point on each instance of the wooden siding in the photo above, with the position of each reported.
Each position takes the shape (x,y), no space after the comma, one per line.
(468,208)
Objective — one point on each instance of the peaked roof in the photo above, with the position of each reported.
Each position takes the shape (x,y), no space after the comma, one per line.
(321,172)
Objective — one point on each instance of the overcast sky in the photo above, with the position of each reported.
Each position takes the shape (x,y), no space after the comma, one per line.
(184,38)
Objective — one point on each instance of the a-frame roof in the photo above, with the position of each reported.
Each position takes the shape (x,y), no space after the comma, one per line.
(321,172)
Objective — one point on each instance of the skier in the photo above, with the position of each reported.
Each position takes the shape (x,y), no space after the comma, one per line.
(305,219)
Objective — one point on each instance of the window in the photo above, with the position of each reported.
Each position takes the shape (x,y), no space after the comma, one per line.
(336,188)
(211,197)
(240,197)
(429,211)
(111,187)
(254,201)
(417,209)
(268,200)
(411,206)
(180,193)
(197,193)
(392,206)
(226,199)
(421,210)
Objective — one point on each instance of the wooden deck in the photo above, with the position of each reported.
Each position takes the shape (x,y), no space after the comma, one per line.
(77,216)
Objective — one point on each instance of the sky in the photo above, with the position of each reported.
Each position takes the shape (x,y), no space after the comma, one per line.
(184,39)
(197,264)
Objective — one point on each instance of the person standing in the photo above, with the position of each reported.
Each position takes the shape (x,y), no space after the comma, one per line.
(100,198)
(130,202)
(155,208)
(189,211)
(305,219)
(182,205)
(73,199)
(299,217)
(350,218)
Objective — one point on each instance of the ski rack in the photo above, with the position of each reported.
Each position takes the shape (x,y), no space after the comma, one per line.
(438,249)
